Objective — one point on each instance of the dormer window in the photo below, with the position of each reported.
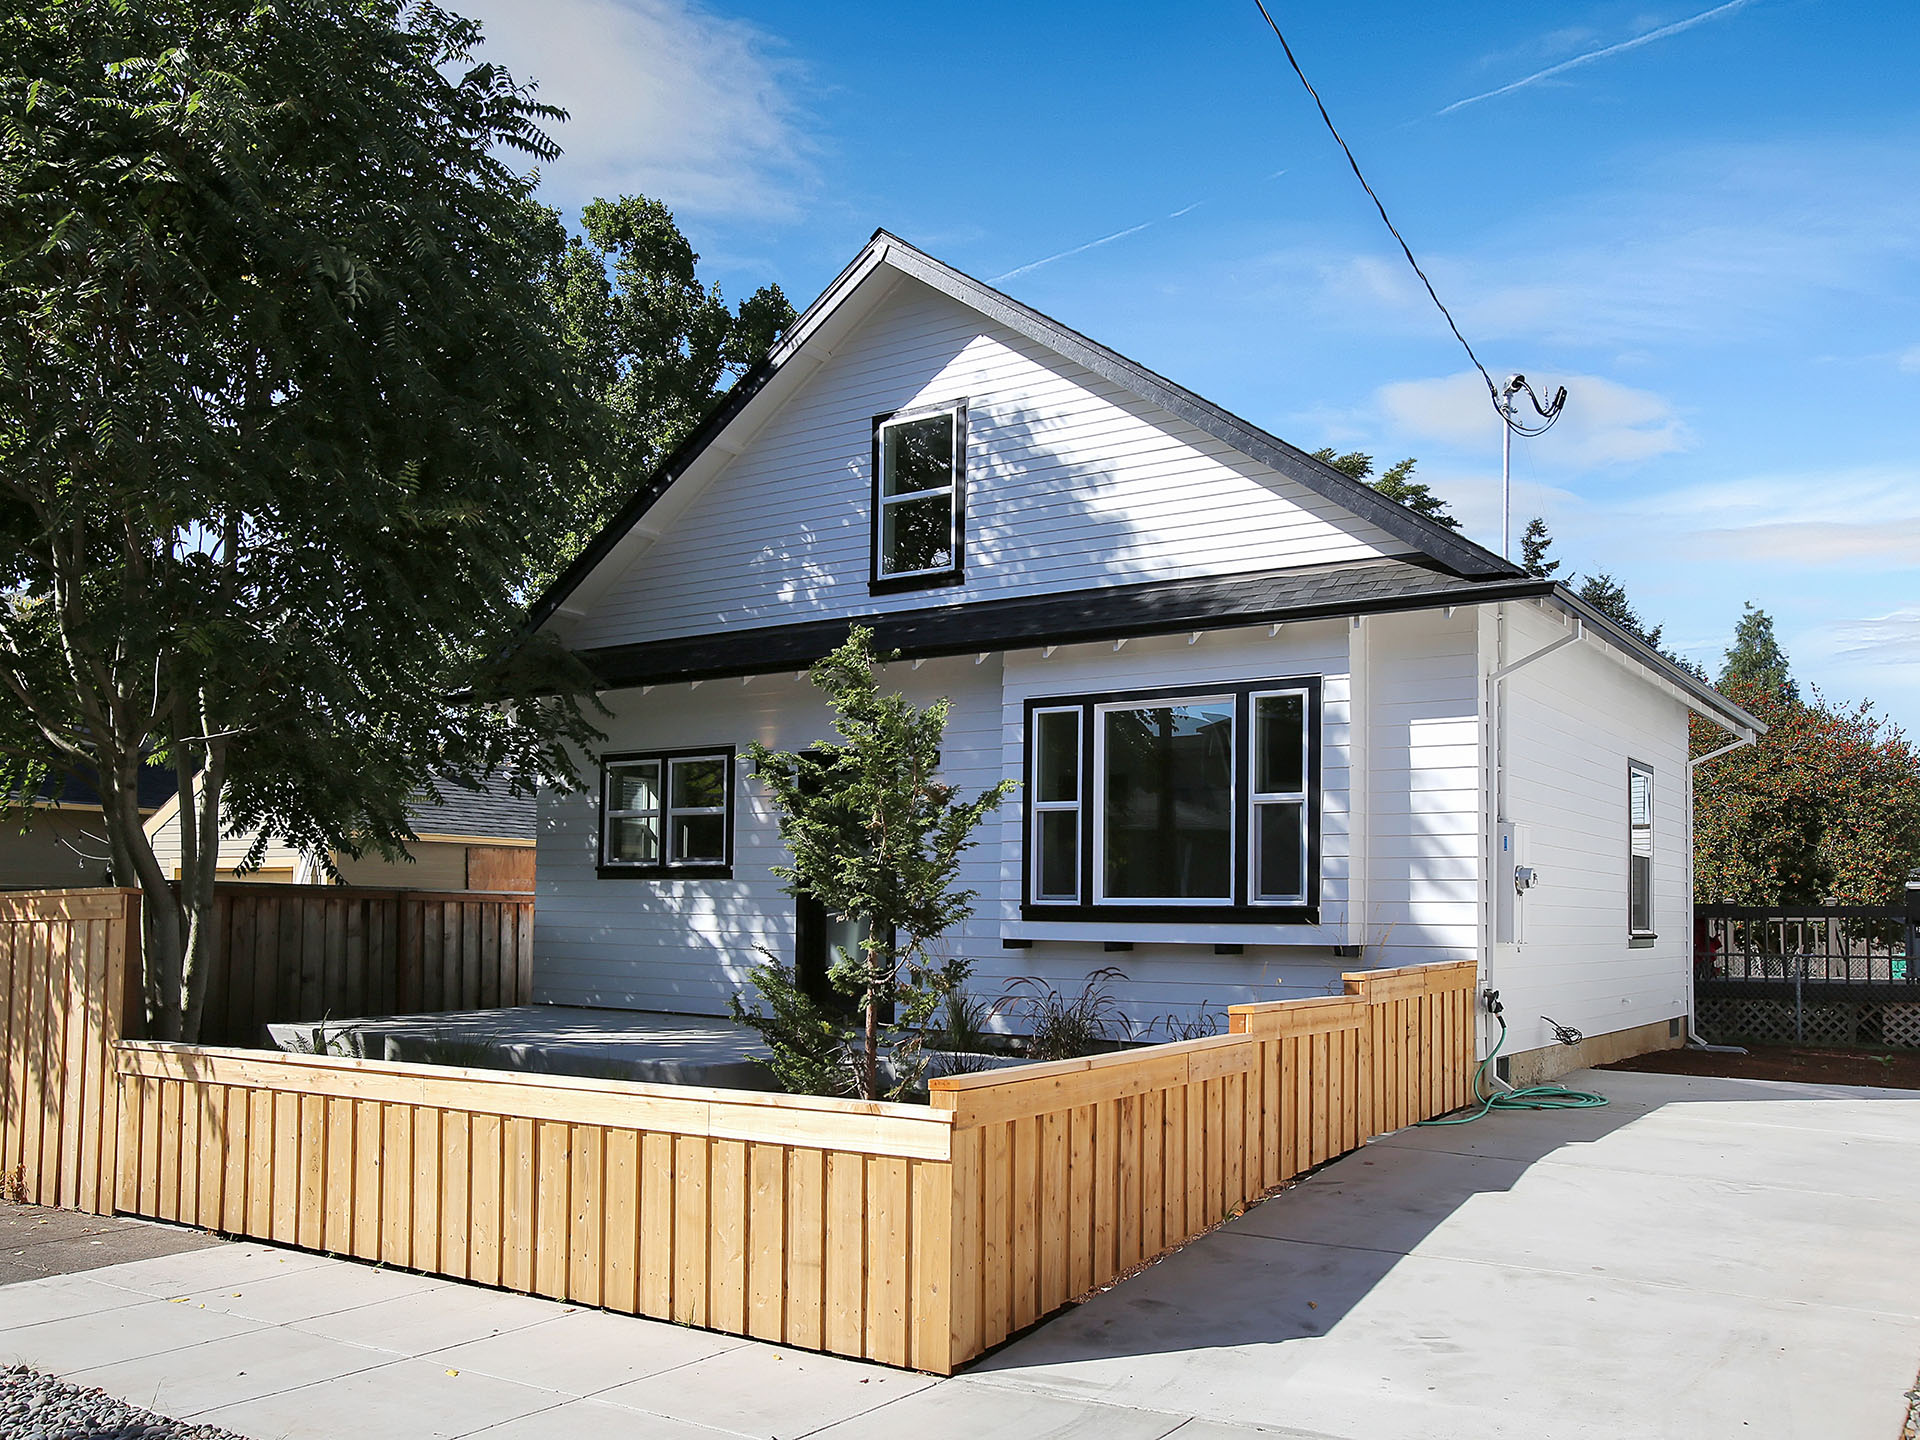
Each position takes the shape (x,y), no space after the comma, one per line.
(919,497)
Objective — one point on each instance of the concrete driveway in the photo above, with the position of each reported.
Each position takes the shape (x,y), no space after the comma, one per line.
(1704,1258)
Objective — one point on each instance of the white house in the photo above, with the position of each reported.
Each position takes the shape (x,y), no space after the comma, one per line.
(1269,726)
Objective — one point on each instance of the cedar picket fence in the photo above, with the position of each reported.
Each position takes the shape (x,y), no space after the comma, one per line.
(912,1235)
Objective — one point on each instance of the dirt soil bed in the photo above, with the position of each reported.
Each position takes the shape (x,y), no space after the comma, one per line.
(1812,1064)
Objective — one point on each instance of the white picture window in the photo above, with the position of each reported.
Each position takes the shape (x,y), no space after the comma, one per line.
(1174,805)
(1164,825)
(919,465)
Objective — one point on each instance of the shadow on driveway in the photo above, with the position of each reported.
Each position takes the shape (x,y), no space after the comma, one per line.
(1702,1258)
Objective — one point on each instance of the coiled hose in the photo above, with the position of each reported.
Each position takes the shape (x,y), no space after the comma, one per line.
(1530,1097)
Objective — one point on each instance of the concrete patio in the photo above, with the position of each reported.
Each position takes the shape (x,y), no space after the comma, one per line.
(644,1045)
(1704,1258)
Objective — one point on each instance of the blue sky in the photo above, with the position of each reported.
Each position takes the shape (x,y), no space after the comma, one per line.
(1707,226)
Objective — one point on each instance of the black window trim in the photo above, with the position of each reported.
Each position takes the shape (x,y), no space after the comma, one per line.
(1635,935)
(1240,909)
(880,583)
(664,869)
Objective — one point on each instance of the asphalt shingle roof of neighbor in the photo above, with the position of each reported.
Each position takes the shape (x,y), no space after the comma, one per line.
(1109,612)
(491,814)
(156,786)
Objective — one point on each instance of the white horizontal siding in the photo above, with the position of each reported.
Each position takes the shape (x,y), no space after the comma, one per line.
(1071,484)
(1425,808)
(688,946)
(1573,721)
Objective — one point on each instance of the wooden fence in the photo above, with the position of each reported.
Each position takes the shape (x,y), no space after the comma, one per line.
(308,952)
(1068,1174)
(66,991)
(913,1235)
(818,1223)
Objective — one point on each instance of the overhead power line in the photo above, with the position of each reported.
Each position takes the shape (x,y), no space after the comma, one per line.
(1502,405)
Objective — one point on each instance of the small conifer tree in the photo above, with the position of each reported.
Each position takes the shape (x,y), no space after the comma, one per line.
(876,837)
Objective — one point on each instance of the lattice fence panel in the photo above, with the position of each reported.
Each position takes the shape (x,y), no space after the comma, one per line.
(1730,1020)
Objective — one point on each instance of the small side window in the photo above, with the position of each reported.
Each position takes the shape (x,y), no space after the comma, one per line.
(919,483)
(667,815)
(1639,850)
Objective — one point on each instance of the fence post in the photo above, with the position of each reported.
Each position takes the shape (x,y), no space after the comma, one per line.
(1913,925)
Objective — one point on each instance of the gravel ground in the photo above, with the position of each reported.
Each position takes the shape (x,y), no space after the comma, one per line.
(38,1407)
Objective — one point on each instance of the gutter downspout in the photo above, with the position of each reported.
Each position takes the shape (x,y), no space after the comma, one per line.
(1694,1042)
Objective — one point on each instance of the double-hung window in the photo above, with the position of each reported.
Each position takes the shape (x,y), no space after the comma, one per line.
(667,814)
(919,498)
(1181,804)
(1639,851)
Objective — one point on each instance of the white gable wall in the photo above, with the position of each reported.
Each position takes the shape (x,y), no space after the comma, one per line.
(1574,719)
(1071,484)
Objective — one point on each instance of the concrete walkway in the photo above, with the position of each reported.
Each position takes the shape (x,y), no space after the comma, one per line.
(1705,1258)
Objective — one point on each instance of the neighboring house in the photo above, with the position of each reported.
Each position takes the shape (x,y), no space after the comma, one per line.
(471,840)
(58,840)
(1269,726)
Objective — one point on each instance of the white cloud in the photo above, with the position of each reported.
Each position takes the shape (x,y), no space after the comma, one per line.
(664,99)
(1884,640)
(1909,360)
(1864,518)
(1604,423)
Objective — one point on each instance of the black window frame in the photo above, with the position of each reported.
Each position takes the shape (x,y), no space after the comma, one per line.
(1637,935)
(665,868)
(1241,909)
(879,582)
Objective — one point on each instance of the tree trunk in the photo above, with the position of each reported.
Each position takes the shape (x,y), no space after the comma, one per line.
(870,1063)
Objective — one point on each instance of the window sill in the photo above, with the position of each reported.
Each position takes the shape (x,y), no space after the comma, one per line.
(1641,942)
(1098,930)
(899,584)
(663,872)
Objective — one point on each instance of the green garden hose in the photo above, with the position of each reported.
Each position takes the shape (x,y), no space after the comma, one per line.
(1530,1097)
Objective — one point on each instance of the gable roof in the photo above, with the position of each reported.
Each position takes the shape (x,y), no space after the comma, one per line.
(1425,538)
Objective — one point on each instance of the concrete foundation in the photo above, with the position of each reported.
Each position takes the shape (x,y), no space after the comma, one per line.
(1538,1067)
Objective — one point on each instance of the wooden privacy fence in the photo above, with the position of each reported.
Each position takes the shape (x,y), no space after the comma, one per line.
(912,1235)
(309,952)
(66,990)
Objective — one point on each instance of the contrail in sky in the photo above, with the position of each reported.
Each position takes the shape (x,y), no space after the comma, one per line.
(1106,239)
(1601,54)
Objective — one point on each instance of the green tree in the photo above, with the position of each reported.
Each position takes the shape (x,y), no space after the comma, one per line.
(1535,541)
(282,407)
(876,837)
(1396,483)
(1609,597)
(660,347)
(1755,655)
(1825,805)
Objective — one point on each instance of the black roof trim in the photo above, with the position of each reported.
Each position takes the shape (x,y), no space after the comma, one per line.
(1447,547)
(1073,617)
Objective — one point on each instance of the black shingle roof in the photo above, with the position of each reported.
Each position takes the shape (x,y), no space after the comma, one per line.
(1157,607)
(156,787)
(490,814)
